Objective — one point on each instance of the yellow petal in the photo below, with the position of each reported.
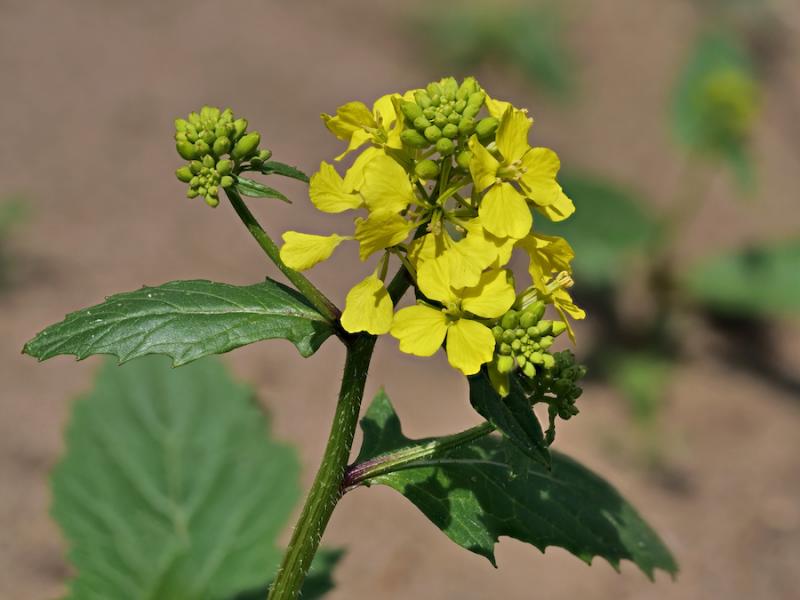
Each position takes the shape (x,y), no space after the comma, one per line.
(468,258)
(503,245)
(349,118)
(368,307)
(358,139)
(302,251)
(493,295)
(384,111)
(420,329)
(496,108)
(547,254)
(512,134)
(563,303)
(386,185)
(433,279)
(558,210)
(329,192)
(380,230)
(430,245)
(469,345)
(539,179)
(483,166)
(504,212)
(354,177)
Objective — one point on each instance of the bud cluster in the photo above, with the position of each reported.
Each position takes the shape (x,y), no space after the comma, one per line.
(523,339)
(444,115)
(204,139)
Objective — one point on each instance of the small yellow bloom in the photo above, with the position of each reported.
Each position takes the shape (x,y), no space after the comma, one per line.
(504,208)
(422,329)
(302,251)
(555,293)
(547,254)
(368,307)
(356,124)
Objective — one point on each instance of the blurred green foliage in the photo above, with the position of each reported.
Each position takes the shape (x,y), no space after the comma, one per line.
(756,281)
(641,378)
(528,36)
(171,486)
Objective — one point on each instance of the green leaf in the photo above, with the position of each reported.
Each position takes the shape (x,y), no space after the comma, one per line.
(185,320)
(254,189)
(610,224)
(489,488)
(512,415)
(278,168)
(13,211)
(760,280)
(171,486)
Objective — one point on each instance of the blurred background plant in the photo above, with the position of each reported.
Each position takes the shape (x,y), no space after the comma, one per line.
(14,211)
(640,295)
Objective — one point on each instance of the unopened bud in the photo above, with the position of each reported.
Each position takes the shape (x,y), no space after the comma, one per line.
(413,138)
(191,193)
(433,133)
(246,146)
(505,364)
(239,127)
(421,123)
(546,342)
(548,361)
(529,370)
(536,309)
(222,145)
(445,147)
(426,169)
(212,201)
(463,159)
(486,127)
(226,181)
(184,174)
(202,147)
(510,320)
(411,110)
(558,328)
(497,332)
(208,162)
(422,99)
(187,150)
(225,167)
(450,131)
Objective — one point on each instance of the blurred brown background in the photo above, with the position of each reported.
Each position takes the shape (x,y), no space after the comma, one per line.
(90,88)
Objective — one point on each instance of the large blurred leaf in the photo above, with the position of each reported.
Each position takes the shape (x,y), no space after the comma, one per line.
(760,280)
(512,415)
(488,488)
(185,320)
(171,486)
(13,211)
(716,102)
(609,225)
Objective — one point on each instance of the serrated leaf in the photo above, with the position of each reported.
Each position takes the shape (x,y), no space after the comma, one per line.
(488,488)
(171,486)
(278,168)
(254,189)
(513,416)
(760,280)
(609,225)
(185,320)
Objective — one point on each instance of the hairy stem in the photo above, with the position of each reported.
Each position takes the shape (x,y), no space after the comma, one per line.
(326,491)
(358,474)
(304,286)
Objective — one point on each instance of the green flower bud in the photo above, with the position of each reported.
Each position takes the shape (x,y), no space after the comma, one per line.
(207,137)
(536,309)
(209,113)
(421,123)
(246,146)
(225,167)
(558,328)
(194,181)
(212,201)
(445,147)
(504,349)
(184,174)
(180,136)
(226,116)
(433,133)
(476,99)
(529,370)
(239,127)
(265,155)
(463,159)
(505,364)
(187,150)
(510,320)
(519,332)
(497,332)
(508,336)
(429,112)
(544,328)
(466,126)
(470,112)
(434,90)
(181,124)
(450,131)
(256,162)
(226,181)
(426,169)
(195,166)
(213,191)
(449,88)
(546,342)
(208,162)
(516,345)
(454,118)
(440,120)
(411,110)
(548,361)
(527,320)
(537,358)
(521,361)
(468,87)
(422,99)
(413,138)
(486,127)
(222,145)
(460,106)
(202,148)
(436,100)
(446,110)
(194,119)
(191,193)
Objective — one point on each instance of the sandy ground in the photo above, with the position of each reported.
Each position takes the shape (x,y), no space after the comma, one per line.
(90,90)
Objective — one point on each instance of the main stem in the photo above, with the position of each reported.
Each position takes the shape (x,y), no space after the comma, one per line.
(303,285)
(327,489)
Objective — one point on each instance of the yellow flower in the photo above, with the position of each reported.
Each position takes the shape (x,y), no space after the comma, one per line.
(332,193)
(368,307)
(555,293)
(547,254)
(356,124)
(504,208)
(422,329)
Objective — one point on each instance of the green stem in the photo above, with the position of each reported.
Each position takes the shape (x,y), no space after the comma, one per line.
(304,286)
(407,457)
(326,491)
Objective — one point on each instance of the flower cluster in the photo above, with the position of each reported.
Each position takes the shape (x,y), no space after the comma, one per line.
(447,185)
(204,139)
